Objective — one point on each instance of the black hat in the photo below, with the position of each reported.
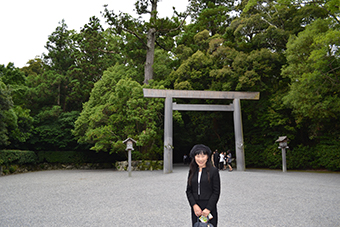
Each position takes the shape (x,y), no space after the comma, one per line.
(198,148)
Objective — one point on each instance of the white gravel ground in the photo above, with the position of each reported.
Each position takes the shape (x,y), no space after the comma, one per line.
(72,198)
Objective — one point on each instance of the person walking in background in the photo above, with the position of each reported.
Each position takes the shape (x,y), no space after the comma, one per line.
(185,157)
(203,185)
(229,160)
(221,161)
(216,158)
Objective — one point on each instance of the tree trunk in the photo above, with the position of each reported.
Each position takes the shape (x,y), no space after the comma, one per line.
(59,94)
(150,54)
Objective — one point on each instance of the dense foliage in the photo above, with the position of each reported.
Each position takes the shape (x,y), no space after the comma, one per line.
(18,157)
(23,157)
(86,92)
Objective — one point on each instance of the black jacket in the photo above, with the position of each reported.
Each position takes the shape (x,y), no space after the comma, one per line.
(208,190)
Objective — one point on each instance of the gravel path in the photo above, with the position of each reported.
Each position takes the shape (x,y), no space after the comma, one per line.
(107,198)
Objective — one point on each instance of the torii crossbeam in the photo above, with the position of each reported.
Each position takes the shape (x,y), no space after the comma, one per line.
(191,94)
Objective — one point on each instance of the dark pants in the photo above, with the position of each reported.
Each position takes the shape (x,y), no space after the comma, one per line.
(202,204)
(216,162)
(221,165)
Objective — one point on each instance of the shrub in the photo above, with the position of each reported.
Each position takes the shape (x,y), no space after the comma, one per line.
(329,155)
(254,156)
(75,157)
(18,157)
(272,157)
(13,168)
(61,156)
(302,157)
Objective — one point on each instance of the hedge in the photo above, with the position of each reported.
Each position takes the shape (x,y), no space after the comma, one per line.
(19,157)
(8,157)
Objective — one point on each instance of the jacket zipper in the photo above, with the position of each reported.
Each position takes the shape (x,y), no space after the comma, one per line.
(199,189)
(199,185)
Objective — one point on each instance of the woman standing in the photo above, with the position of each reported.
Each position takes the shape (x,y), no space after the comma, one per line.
(203,186)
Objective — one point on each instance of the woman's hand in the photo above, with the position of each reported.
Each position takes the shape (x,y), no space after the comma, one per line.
(205,212)
(197,210)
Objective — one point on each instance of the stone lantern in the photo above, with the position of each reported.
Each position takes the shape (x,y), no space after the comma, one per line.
(129,147)
(283,144)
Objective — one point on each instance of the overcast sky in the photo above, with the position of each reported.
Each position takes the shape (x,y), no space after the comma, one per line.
(26,25)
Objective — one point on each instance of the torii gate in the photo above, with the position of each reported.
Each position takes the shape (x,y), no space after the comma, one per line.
(191,94)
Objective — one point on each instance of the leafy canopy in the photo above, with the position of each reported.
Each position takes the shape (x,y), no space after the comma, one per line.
(117,110)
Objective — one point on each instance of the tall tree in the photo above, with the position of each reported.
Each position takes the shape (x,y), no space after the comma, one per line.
(211,15)
(314,69)
(157,31)
(60,49)
(94,51)
(59,58)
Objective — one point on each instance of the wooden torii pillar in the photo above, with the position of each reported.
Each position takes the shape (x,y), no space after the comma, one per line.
(191,94)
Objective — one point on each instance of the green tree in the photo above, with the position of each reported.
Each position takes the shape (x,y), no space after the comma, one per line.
(313,67)
(59,59)
(11,75)
(43,90)
(15,79)
(117,110)
(92,55)
(217,66)
(60,49)
(213,16)
(52,130)
(146,35)
(15,120)
(20,127)
(6,104)
(59,85)
(268,24)
(193,73)
(34,66)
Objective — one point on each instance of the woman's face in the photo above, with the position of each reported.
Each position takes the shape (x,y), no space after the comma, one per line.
(201,160)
